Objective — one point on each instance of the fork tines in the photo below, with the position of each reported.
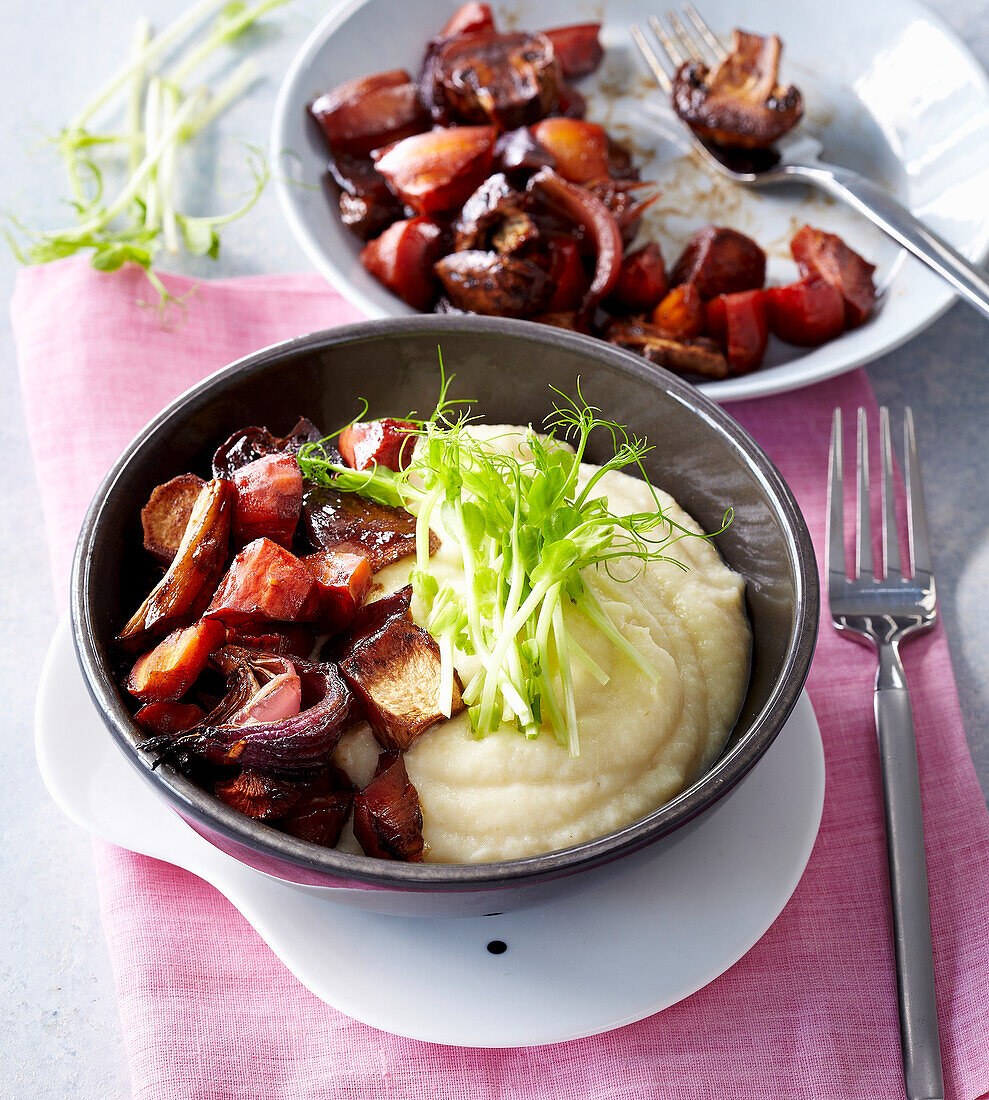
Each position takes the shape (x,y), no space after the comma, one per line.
(918,537)
(678,43)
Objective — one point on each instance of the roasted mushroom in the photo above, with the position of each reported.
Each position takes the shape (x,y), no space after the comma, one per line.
(165,516)
(488,282)
(494,217)
(507,80)
(700,357)
(333,519)
(395,673)
(739,104)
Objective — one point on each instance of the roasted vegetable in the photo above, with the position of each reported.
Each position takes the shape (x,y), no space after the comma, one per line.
(283,639)
(700,357)
(488,282)
(261,797)
(494,217)
(739,104)
(468,19)
(577,48)
(170,669)
(367,205)
(518,153)
(807,313)
(333,519)
(720,261)
(296,744)
(641,283)
(183,592)
(437,171)
(579,149)
(738,322)
(387,818)
(370,619)
(567,277)
(265,583)
(681,314)
(507,80)
(829,258)
(586,210)
(619,196)
(321,809)
(395,674)
(268,499)
(343,580)
(370,112)
(168,719)
(165,516)
(250,444)
(384,442)
(402,258)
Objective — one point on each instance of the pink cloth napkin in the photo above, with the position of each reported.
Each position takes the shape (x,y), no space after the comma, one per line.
(208,1011)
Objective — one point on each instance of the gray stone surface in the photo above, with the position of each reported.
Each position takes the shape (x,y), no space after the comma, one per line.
(59,1033)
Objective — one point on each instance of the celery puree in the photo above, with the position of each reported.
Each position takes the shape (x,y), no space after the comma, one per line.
(641,743)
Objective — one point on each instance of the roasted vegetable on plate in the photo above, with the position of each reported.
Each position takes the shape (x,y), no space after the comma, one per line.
(478,186)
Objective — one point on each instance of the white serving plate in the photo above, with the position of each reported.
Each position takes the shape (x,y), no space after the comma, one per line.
(577,966)
(889,90)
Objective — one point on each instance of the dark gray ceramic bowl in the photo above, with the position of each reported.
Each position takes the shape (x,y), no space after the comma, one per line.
(702,457)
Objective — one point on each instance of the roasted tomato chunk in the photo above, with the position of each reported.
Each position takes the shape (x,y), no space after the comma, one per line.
(191,579)
(165,719)
(385,442)
(468,19)
(579,149)
(488,282)
(402,258)
(343,580)
(265,583)
(828,257)
(577,48)
(720,261)
(259,796)
(170,669)
(370,112)
(507,80)
(641,282)
(681,313)
(344,520)
(807,313)
(739,322)
(321,810)
(740,104)
(436,171)
(165,516)
(269,499)
(395,674)
(387,818)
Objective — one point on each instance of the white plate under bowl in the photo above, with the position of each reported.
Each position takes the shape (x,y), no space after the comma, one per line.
(645,940)
(889,90)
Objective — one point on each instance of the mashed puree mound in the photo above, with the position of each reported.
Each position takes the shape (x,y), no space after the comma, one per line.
(641,743)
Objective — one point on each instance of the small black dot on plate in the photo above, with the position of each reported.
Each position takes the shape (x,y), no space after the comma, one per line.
(497,947)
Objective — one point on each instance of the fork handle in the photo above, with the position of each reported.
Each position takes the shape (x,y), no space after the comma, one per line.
(908,889)
(894,219)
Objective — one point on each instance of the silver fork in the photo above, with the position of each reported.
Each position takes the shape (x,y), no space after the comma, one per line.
(797,157)
(883,612)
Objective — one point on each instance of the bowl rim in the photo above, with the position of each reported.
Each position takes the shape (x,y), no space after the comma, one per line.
(192,802)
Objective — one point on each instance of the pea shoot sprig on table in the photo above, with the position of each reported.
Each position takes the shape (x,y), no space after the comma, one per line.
(163,110)
(526,529)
